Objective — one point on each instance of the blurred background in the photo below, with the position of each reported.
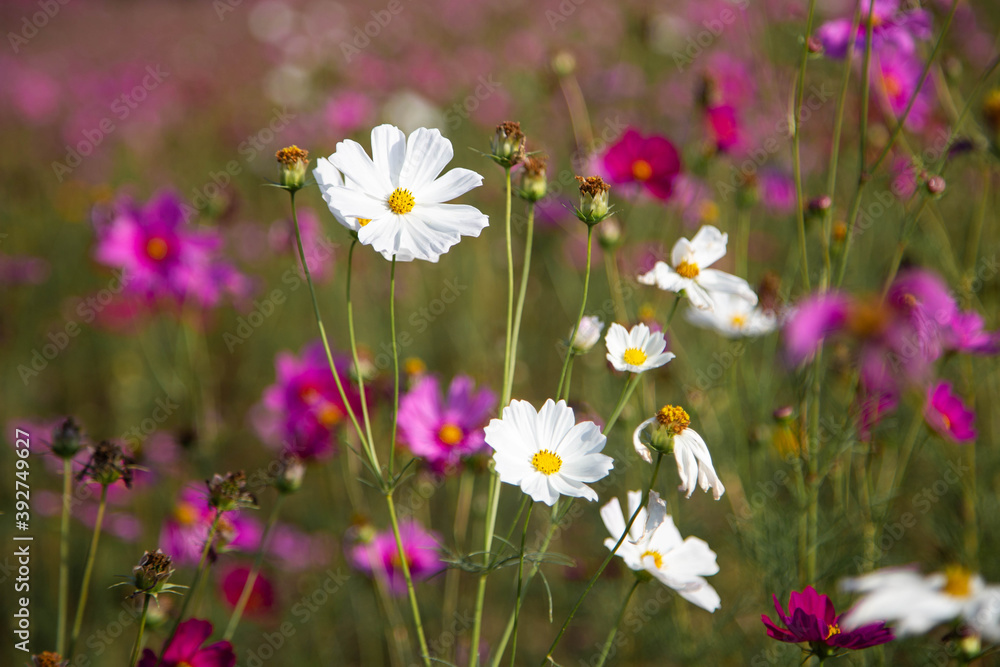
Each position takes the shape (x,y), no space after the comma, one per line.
(105,102)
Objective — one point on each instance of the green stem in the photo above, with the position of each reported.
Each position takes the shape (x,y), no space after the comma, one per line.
(522,293)
(395,365)
(615,284)
(372,454)
(607,560)
(508,349)
(614,631)
(405,565)
(322,334)
(673,311)
(583,307)
(138,639)
(800,216)
(629,387)
(64,556)
(241,604)
(743,241)
(520,580)
(87,571)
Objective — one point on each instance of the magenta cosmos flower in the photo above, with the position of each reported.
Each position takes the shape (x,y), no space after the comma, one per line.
(445,431)
(301,410)
(379,556)
(651,162)
(186,649)
(948,415)
(811,618)
(184,532)
(895,75)
(161,256)
(892,27)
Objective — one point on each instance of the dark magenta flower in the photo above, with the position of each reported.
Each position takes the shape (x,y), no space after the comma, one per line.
(651,162)
(892,27)
(443,432)
(262,595)
(186,649)
(966,333)
(948,415)
(378,556)
(812,619)
(724,127)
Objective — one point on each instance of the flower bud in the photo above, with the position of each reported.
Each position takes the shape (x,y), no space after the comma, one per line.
(593,200)
(152,572)
(292,163)
(66,439)
(839,231)
(935,186)
(564,63)
(230,492)
(507,145)
(534,185)
(588,333)
(107,464)
(291,470)
(609,235)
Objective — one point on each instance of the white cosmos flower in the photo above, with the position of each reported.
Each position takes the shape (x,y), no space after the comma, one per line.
(915,603)
(547,453)
(734,317)
(394,200)
(688,270)
(672,427)
(588,332)
(637,350)
(655,545)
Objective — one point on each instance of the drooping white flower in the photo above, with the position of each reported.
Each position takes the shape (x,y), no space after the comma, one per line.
(670,429)
(636,350)
(734,317)
(546,452)
(395,199)
(587,334)
(688,270)
(655,545)
(915,603)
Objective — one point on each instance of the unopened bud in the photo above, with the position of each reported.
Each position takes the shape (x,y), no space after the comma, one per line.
(588,333)
(66,439)
(936,186)
(609,235)
(292,163)
(534,183)
(507,145)
(594,205)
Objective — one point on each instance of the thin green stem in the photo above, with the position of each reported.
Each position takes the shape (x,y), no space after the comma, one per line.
(614,630)
(395,365)
(64,556)
(607,560)
(508,350)
(241,604)
(583,308)
(520,580)
(522,293)
(405,565)
(87,571)
(615,284)
(673,311)
(800,213)
(372,454)
(493,500)
(138,638)
(627,389)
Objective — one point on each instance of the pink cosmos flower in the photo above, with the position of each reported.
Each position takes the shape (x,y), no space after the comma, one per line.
(892,27)
(262,596)
(184,532)
(894,77)
(301,410)
(317,248)
(161,256)
(724,127)
(948,415)
(812,618)
(966,334)
(380,556)
(651,162)
(186,649)
(443,432)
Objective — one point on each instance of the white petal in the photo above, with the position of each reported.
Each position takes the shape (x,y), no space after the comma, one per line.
(388,151)
(452,218)
(589,468)
(719,281)
(351,159)
(709,246)
(698,295)
(452,184)
(640,448)
(691,558)
(683,251)
(353,203)
(427,153)
(664,277)
(703,596)
(537,486)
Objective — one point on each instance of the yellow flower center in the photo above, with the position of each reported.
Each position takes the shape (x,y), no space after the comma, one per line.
(657,558)
(891,84)
(687,270)
(329,415)
(157,248)
(675,419)
(546,462)
(738,321)
(634,357)
(414,366)
(832,630)
(186,514)
(450,434)
(642,170)
(400,201)
(708,211)
(364,221)
(958,583)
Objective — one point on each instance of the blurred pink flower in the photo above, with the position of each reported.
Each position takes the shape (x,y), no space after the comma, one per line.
(184,532)
(966,334)
(893,27)
(348,112)
(379,557)
(894,78)
(948,415)
(262,596)
(318,248)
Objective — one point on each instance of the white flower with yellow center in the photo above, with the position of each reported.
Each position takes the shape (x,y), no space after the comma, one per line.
(734,317)
(670,431)
(547,453)
(636,350)
(915,603)
(395,199)
(688,271)
(654,545)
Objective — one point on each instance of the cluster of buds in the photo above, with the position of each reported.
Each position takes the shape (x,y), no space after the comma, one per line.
(292,163)
(230,492)
(534,183)
(151,576)
(108,463)
(291,470)
(588,333)
(67,439)
(507,145)
(594,205)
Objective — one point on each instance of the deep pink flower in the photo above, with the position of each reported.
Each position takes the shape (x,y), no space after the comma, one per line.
(261,598)
(380,556)
(966,333)
(186,649)
(445,432)
(894,77)
(724,127)
(301,410)
(811,618)
(161,256)
(651,162)
(892,27)
(777,191)
(184,532)
(812,320)
(948,415)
